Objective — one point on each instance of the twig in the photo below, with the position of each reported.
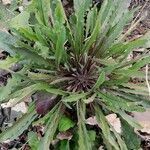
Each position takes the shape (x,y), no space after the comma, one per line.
(134,22)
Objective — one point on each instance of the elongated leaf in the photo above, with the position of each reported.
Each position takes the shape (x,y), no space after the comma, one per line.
(135,98)
(130,120)
(120,141)
(18,128)
(118,103)
(8,62)
(74,97)
(91,19)
(20,21)
(33,140)
(42,50)
(33,58)
(10,87)
(50,130)
(27,33)
(127,47)
(19,95)
(128,134)
(60,49)
(41,8)
(6,39)
(84,141)
(100,80)
(80,8)
(102,122)
(90,41)
(141,63)
(59,13)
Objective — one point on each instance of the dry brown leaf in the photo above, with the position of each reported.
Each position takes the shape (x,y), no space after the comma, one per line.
(111,118)
(20,107)
(114,121)
(101,148)
(64,136)
(91,121)
(144,120)
(6,2)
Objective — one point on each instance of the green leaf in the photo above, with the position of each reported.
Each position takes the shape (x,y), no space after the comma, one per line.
(124,49)
(8,62)
(64,145)
(7,13)
(65,123)
(59,13)
(135,98)
(131,138)
(20,21)
(27,33)
(7,39)
(42,50)
(41,8)
(61,39)
(92,135)
(100,80)
(12,83)
(21,94)
(83,141)
(33,58)
(141,63)
(33,140)
(50,130)
(91,19)
(103,124)
(91,40)
(120,141)
(74,97)
(19,126)
(117,103)
(131,121)
(80,8)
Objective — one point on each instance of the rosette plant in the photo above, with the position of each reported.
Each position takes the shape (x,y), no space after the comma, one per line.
(80,62)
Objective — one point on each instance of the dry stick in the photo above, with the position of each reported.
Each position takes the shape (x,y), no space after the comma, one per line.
(134,22)
(147,82)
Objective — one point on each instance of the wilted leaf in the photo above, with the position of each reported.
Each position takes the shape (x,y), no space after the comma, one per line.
(6,2)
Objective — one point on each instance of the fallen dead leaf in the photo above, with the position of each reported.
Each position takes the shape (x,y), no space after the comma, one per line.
(111,118)
(114,121)
(6,2)
(144,120)
(20,107)
(91,121)
(101,148)
(64,136)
